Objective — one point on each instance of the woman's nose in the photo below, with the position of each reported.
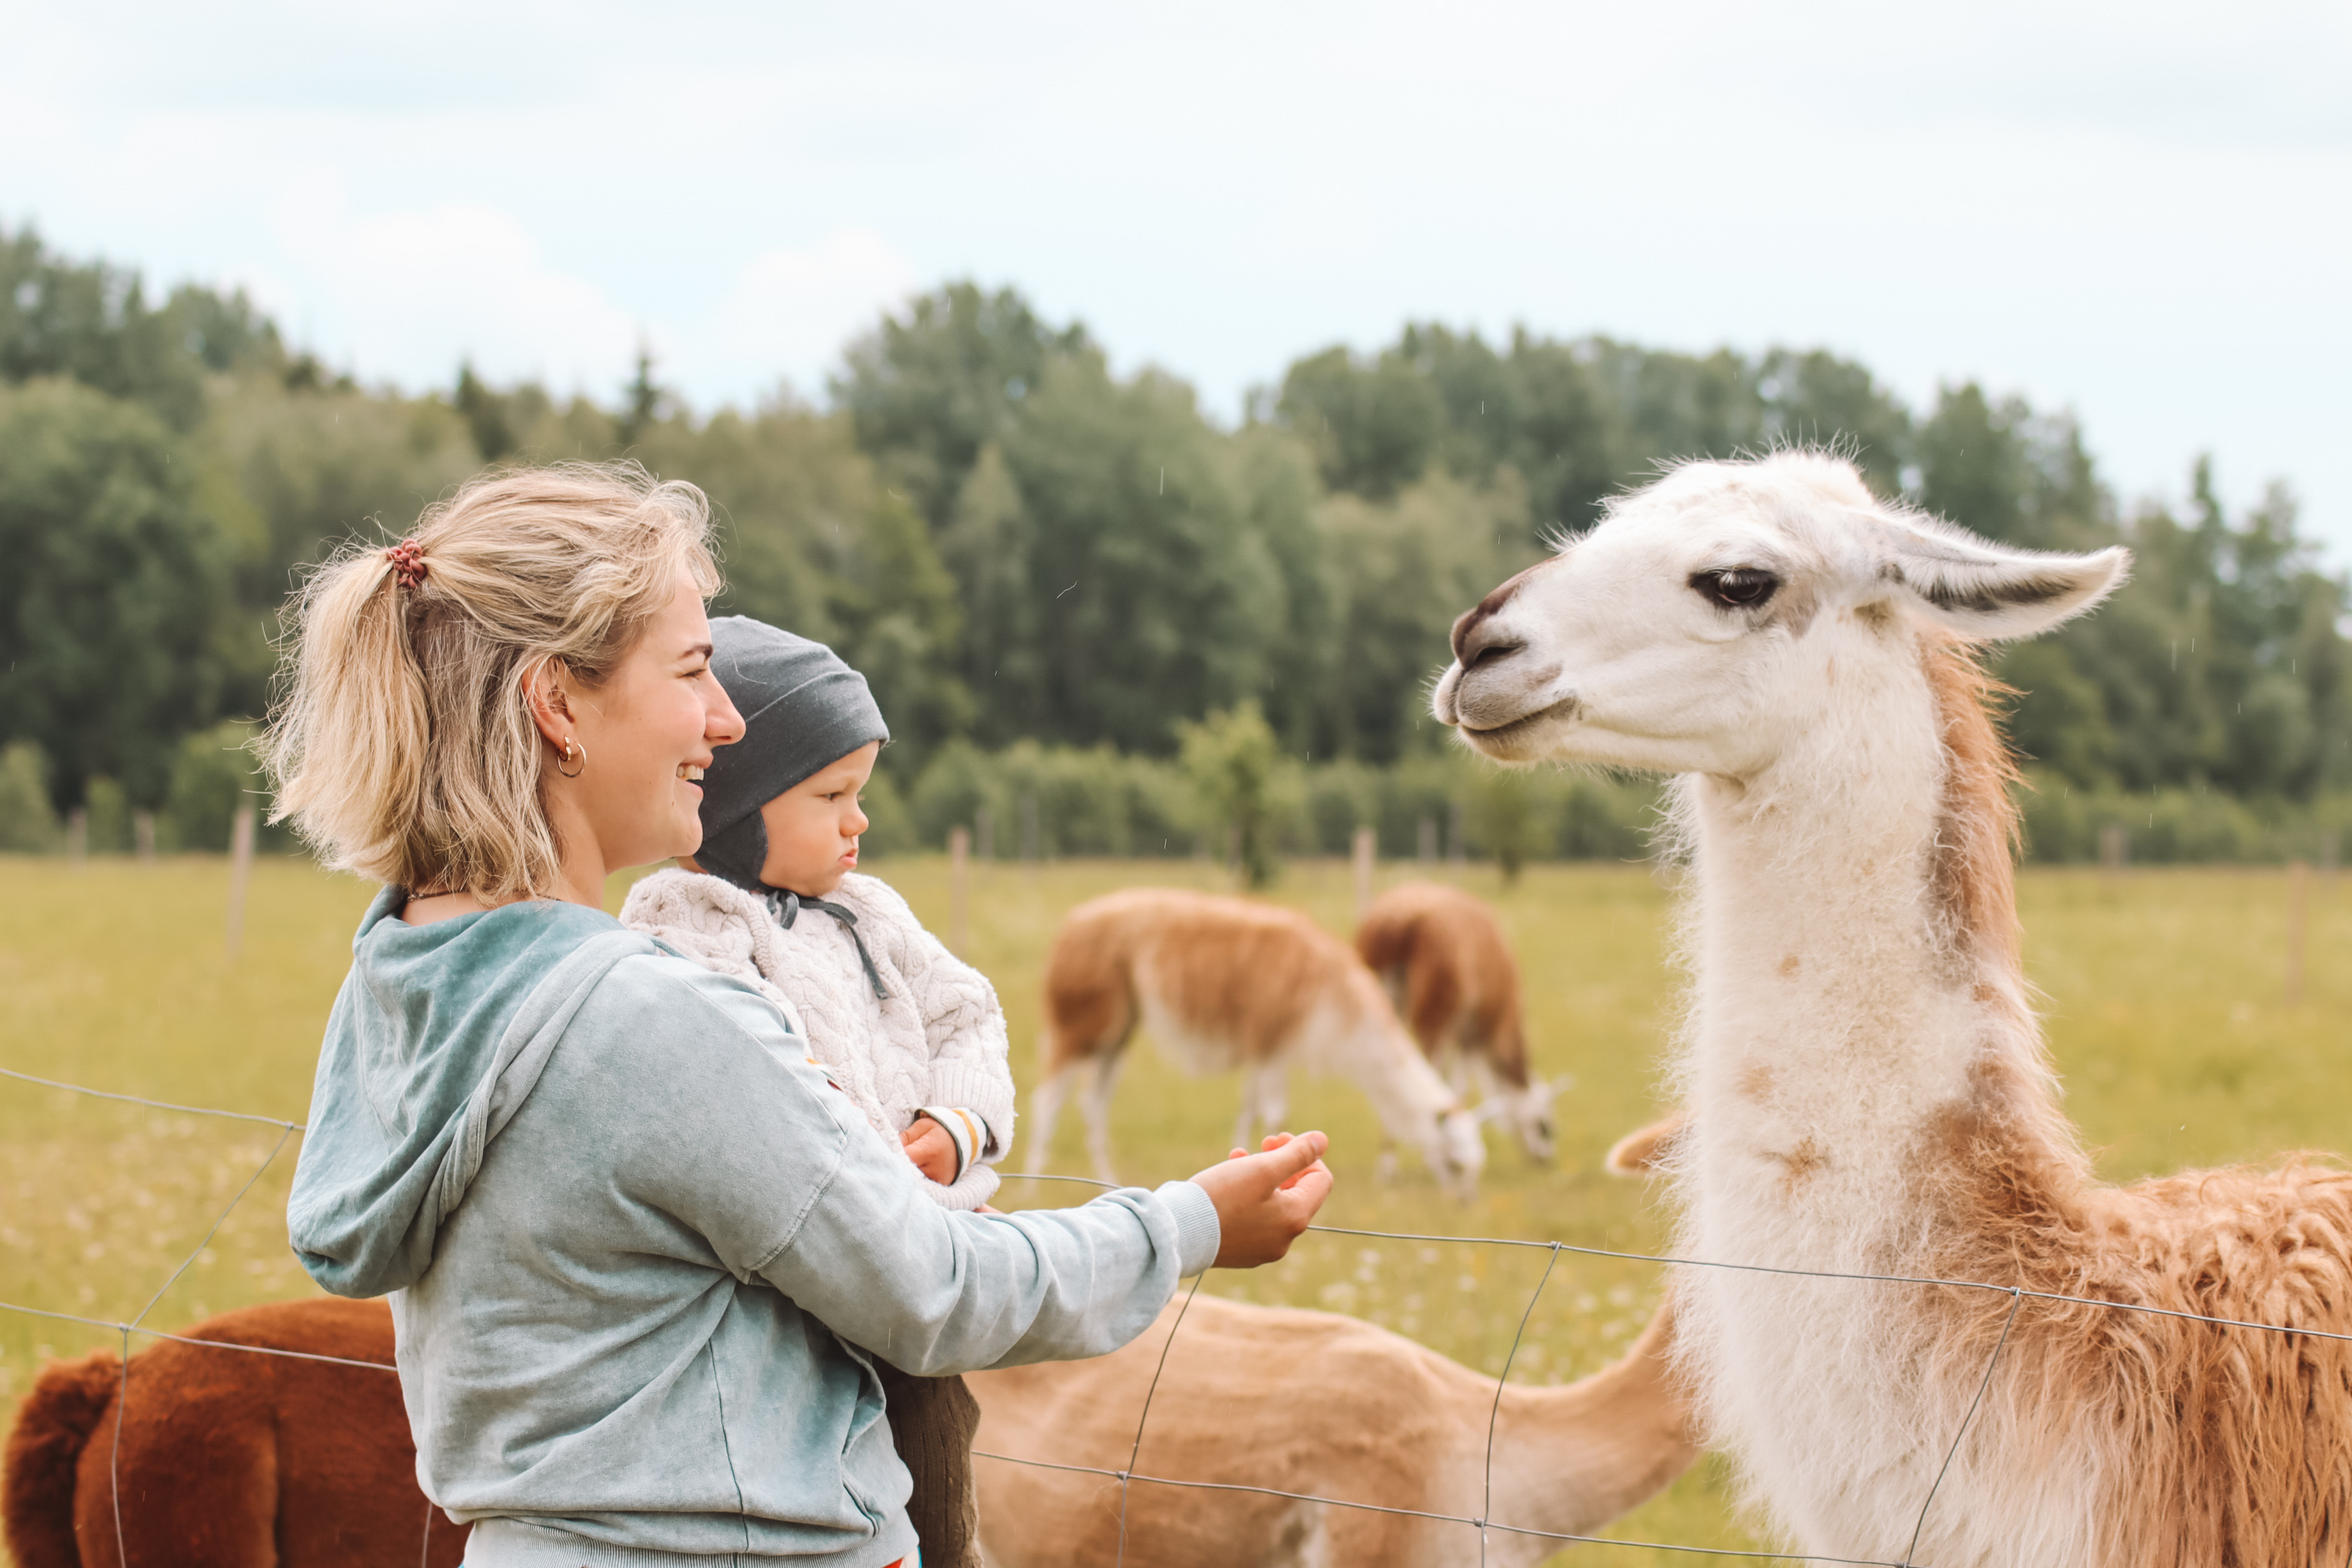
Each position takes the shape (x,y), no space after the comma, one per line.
(722,725)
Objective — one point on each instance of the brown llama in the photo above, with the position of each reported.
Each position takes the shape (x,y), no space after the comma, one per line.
(1220,984)
(1448,968)
(1869,1090)
(1391,1423)
(228,1458)
(1396,1423)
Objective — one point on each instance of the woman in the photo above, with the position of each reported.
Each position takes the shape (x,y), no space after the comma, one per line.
(639,1250)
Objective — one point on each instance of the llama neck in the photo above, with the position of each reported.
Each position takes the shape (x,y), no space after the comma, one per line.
(1571,1459)
(1405,1091)
(1856,976)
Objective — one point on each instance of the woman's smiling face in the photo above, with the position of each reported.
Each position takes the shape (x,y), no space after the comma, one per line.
(648,731)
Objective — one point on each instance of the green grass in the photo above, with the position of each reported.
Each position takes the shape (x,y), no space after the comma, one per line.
(2163,991)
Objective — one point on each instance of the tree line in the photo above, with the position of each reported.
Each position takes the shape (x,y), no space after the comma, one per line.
(1021,546)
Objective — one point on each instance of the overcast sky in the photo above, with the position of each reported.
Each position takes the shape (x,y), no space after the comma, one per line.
(2142,211)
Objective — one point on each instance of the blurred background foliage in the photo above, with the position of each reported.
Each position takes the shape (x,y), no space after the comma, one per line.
(1101,622)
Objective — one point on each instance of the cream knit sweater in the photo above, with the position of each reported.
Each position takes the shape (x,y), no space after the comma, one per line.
(938,1039)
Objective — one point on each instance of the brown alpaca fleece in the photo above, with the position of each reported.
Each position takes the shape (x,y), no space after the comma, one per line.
(2211,1444)
(228,1459)
(44,1453)
(1321,1404)
(1444,956)
(231,1459)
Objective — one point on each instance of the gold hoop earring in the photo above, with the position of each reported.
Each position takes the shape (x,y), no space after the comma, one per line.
(570,746)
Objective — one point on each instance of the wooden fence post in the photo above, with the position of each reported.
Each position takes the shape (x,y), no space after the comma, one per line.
(2114,849)
(240,871)
(2298,927)
(1367,844)
(959,864)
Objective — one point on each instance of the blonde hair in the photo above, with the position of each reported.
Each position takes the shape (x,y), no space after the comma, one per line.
(403,745)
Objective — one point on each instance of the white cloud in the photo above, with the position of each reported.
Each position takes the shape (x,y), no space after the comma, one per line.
(2117,204)
(408,294)
(788,313)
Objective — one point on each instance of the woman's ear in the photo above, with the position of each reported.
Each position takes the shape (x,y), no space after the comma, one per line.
(551,708)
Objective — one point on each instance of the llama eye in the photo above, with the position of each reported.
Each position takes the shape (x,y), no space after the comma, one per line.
(1741,588)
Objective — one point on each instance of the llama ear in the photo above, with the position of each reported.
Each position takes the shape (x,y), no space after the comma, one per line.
(1986,591)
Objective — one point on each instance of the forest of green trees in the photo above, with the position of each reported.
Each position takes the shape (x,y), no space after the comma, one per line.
(1087,608)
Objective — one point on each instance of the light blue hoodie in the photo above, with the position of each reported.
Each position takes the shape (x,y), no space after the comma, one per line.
(638,1249)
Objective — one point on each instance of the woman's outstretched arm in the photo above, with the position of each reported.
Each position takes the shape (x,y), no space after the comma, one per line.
(748,1143)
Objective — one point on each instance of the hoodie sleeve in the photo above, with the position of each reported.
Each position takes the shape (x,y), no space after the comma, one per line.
(730,1130)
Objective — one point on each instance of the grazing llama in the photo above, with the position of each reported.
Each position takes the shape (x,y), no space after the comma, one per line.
(1226,982)
(1448,968)
(228,1459)
(1867,1081)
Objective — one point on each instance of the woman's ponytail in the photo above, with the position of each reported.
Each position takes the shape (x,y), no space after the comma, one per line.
(401,743)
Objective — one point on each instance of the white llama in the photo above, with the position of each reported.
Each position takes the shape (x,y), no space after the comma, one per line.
(1868,1089)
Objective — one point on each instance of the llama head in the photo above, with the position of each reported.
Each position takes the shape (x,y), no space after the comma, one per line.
(1705,624)
(1527,1112)
(1455,1149)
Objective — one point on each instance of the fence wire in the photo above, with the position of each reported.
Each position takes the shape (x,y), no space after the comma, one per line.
(1131,1476)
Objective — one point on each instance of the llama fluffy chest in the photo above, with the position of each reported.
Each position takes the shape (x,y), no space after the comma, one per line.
(1817,1086)
(1837,1405)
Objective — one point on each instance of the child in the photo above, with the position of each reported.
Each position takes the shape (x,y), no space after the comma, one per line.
(914,1037)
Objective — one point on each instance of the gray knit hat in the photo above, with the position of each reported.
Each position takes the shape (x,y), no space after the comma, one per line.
(802,709)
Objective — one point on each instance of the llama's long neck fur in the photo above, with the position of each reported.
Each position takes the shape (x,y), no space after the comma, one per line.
(1854,945)
(1858,1006)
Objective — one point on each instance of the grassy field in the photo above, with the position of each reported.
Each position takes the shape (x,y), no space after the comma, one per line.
(2164,997)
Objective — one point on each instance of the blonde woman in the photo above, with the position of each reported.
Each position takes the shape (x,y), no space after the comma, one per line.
(640,1252)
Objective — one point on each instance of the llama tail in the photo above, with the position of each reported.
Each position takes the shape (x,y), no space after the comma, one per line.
(53,1426)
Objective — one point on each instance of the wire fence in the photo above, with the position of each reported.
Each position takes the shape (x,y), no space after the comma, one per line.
(1131,1476)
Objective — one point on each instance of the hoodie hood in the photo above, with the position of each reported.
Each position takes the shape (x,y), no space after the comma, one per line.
(436,1038)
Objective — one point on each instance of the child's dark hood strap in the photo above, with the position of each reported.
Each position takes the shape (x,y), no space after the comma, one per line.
(787,906)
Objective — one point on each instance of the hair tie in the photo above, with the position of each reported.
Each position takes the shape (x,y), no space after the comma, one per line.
(407,563)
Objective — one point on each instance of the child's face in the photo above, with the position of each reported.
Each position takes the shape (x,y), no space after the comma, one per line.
(813,827)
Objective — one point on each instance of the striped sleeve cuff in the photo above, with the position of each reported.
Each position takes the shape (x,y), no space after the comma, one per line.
(988,1096)
(968,1131)
(1197,1231)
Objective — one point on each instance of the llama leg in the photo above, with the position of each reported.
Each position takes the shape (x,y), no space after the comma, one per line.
(1273,1097)
(1097,1109)
(1044,1109)
(1460,1072)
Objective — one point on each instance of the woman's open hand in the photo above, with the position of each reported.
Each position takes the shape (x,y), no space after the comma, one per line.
(1266,1201)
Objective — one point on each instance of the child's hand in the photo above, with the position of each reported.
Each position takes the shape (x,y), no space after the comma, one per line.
(1266,1201)
(932,1151)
